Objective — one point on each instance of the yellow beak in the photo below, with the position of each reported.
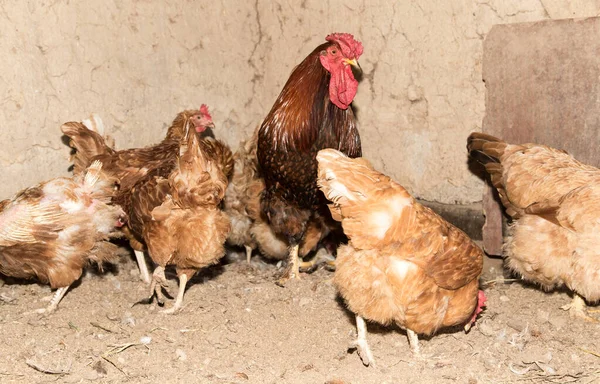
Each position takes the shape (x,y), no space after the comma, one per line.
(356,69)
(352,62)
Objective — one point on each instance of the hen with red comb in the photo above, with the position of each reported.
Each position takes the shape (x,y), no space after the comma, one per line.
(131,166)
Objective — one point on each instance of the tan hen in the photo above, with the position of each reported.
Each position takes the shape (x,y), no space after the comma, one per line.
(554,201)
(131,165)
(403,264)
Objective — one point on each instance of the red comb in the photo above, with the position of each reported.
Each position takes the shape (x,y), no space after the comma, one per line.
(204,111)
(351,48)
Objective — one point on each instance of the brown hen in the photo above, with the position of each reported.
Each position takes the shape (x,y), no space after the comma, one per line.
(51,231)
(178,217)
(403,264)
(554,203)
(129,166)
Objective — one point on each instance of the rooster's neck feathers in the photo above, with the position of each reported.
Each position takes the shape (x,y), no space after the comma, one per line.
(293,122)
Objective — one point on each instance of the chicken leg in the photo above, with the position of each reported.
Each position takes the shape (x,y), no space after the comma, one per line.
(183,279)
(248,253)
(321,257)
(293,270)
(413,341)
(141,260)
(361,345)
(58,295)
(578,309)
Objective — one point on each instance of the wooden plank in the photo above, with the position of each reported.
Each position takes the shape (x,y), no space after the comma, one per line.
(542,86)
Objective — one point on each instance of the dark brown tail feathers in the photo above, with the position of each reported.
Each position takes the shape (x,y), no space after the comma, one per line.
(86,143)
(484,148)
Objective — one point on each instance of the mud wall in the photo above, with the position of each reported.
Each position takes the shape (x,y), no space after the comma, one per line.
(137,63)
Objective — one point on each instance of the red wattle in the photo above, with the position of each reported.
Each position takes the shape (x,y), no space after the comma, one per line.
(342,87)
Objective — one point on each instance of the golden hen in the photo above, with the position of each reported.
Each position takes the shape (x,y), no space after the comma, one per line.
(51,231)
(554,203)
(179,218)
(403,264)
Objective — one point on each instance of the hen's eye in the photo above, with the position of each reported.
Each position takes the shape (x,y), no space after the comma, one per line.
(333,51)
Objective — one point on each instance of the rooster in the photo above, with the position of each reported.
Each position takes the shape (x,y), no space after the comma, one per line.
(553,201)
(51,231)
(129,166)
(179,216)
(404,264)
(313,111)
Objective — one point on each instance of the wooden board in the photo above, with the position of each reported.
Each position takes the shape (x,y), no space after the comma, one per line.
(543,86)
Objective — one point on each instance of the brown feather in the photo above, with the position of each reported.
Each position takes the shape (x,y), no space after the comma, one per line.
(249,226)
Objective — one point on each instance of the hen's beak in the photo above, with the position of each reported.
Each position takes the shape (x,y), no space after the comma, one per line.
(356,69)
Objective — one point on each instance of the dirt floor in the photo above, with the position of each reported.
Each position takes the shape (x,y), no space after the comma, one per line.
(239,327)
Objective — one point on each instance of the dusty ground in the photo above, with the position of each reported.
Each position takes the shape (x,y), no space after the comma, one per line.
(239,327)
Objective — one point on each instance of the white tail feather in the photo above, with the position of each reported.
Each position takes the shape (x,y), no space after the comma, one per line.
(94,123)
(93,173)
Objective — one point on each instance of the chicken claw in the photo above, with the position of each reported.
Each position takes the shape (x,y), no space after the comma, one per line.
(58,295)
(322,257)
(578,309)
(361,345)
(159,281)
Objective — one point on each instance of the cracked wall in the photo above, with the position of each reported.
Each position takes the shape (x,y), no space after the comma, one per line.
(137,63)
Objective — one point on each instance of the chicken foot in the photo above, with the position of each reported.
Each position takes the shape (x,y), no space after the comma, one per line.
(361,345)
(183,279)
(141,261)
(58,295)
(578,309)
(322,257)
(159,281)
